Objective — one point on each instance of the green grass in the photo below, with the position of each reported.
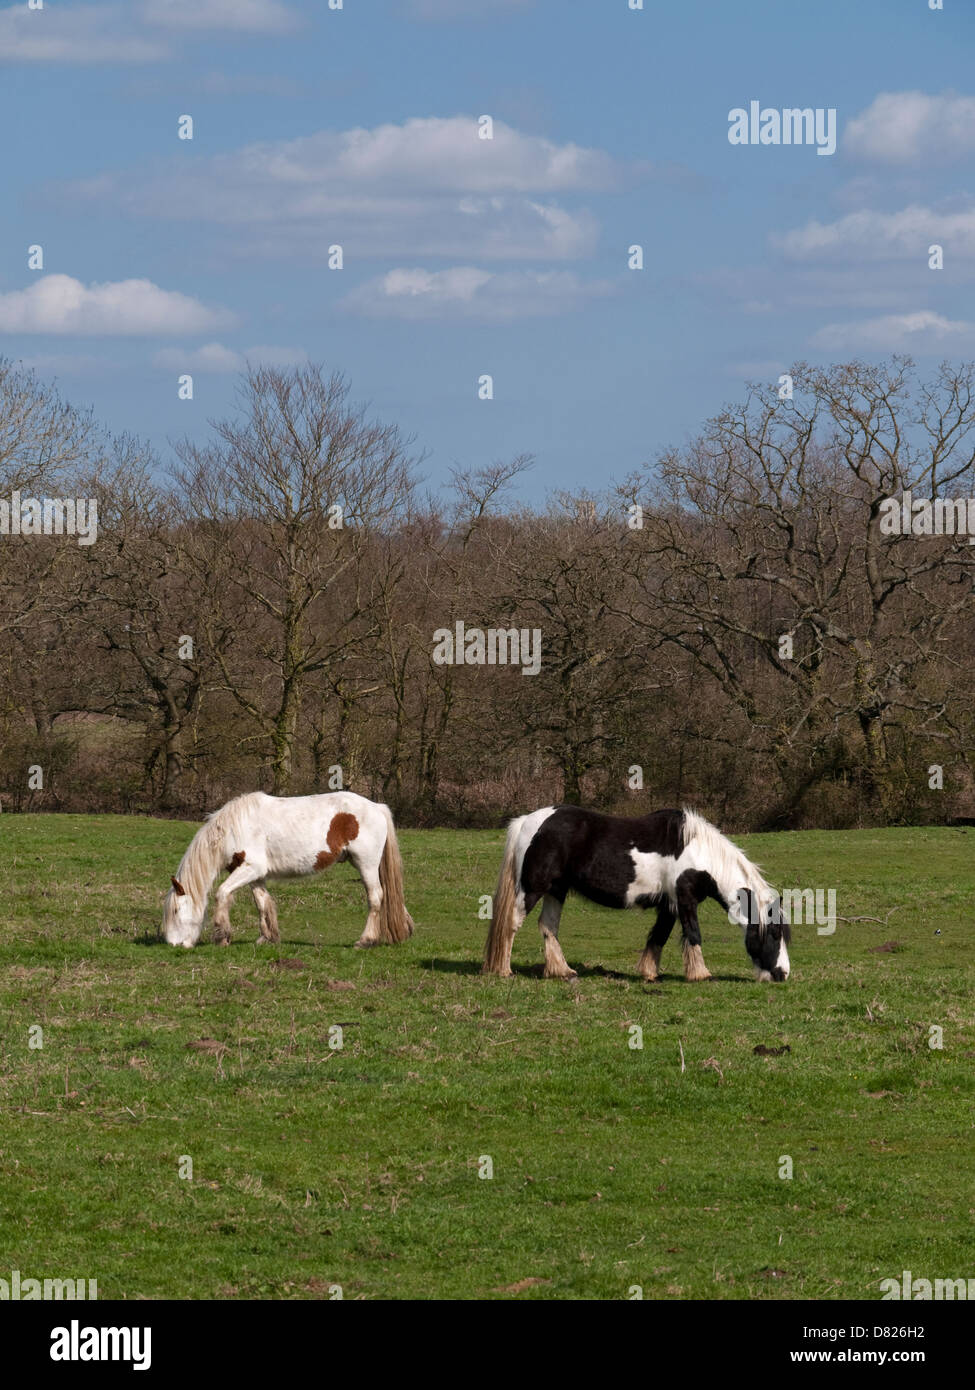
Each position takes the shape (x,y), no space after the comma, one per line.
(613,1167)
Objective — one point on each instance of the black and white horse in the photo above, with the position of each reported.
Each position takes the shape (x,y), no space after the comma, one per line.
(670,860)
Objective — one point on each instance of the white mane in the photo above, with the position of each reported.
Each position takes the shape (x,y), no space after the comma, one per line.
(204,857)
(730,868)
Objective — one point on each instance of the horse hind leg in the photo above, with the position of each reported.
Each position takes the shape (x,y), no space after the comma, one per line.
(556,965)
(269,915)
(656,941)
(371,932)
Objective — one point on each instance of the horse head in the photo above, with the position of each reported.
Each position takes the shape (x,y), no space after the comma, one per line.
(182,919)
(767,933)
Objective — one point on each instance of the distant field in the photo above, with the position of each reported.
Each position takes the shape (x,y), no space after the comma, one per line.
(358,1167)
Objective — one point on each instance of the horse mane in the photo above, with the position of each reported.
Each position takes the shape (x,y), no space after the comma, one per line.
(731,868)
(203,859)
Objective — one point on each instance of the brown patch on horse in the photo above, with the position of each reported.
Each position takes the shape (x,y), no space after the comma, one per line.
(342,831)
(177,887)
(236,861)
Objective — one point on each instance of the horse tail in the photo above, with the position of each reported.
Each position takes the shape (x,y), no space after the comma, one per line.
(497,950)
(395,923)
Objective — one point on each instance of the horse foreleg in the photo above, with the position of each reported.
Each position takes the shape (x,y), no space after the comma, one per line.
(221,920)
(240,876)
(556,965)
(656,941)
(694,968)
(269,915)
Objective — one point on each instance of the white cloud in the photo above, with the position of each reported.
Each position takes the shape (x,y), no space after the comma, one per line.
(84,34)
(60,304)
(214,357)
(427,187)
(910,127)
(467,292)
(244,16)
(920,332)
(211,357)
(427,153)
(878,187)
(871,236)
(123,33)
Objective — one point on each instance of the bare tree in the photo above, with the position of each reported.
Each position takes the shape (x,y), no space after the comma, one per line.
(775,576)
(295,482)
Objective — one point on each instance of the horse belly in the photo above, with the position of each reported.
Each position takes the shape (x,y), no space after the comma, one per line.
(295,852)
(620,878)
(605,890)
(312,833)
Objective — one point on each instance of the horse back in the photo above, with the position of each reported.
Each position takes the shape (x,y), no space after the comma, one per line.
(591,853)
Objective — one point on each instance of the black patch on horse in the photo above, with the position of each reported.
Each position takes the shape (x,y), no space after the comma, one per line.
(587,852)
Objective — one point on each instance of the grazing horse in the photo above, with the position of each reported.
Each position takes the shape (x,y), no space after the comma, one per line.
(256,837)
(670,860)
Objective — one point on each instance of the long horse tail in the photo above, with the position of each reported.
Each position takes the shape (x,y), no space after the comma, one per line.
(497,950)
(395,923)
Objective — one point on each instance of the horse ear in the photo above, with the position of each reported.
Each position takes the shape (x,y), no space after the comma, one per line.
(180,890)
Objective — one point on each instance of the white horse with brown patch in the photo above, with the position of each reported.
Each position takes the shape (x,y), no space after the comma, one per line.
(256,837)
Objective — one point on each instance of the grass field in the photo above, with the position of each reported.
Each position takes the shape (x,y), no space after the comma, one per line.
(315,1166)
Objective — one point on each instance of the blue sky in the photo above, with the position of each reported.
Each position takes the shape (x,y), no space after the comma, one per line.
(357,127)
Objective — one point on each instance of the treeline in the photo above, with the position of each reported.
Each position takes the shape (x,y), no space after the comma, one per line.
(733,626)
